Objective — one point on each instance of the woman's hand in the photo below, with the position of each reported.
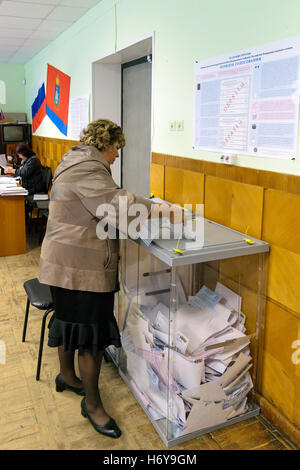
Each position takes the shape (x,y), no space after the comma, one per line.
(174,213)
(9,171)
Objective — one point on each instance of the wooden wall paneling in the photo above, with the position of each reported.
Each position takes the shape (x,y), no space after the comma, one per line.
(281,330)
(50,151)
(184,186)
(271,413)
(247,209)
(284,278)
(157,180)
(236,205)
(265,179)
(277,386)
(296,416)
(281,220)
(210,276)
(218,195)
(243,269)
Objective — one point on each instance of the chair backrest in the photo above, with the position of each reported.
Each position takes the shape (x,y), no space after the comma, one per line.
(47,177)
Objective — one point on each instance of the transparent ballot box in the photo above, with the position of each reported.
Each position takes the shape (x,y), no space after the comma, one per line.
(190,325)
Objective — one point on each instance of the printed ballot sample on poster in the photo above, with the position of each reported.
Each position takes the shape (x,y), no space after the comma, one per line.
(248,102)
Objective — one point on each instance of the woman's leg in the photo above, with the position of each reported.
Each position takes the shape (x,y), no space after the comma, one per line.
(67,370)
(90,367)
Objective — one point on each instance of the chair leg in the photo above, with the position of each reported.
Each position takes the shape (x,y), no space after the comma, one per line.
(42,343)
(26,320)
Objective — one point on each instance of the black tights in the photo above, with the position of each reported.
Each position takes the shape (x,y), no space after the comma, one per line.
(89,368)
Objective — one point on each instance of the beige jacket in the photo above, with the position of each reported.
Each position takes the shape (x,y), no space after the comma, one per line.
(72,255)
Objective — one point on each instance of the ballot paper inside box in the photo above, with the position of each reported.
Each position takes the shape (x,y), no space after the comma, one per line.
(190,335)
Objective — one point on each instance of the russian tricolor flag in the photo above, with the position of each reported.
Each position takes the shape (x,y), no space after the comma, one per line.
(57,101)
(38,107)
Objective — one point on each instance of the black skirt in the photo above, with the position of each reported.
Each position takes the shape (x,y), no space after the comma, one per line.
(83,321)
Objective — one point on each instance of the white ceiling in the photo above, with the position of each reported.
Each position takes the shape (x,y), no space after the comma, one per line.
(27,26)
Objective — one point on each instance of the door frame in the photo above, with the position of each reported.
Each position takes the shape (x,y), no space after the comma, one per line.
(106,100)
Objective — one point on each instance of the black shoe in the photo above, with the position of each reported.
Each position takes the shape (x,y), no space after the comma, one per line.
(61,386)
(110,429)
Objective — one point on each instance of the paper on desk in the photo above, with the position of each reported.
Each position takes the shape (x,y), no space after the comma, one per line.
(11,190)
(8,181)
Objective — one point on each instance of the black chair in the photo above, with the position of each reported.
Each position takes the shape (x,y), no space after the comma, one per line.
(38,295)
(47,178)
(36,204)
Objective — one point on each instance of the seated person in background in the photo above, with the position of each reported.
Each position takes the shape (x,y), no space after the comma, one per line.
(30,170)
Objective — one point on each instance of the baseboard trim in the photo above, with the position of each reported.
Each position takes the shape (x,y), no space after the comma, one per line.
(273,415)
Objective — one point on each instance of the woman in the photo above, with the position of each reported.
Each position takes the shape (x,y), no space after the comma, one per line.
(82,269)
(30,170)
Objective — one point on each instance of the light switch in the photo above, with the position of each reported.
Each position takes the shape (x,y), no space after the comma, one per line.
(173,126)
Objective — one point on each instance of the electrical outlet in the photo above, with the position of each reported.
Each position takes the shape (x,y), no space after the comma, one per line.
(173,126)
(180,125)
(229,159)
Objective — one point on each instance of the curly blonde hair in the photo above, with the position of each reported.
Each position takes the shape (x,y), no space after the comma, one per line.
(102,134)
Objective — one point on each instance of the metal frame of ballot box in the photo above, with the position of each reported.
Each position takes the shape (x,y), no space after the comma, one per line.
(191,324)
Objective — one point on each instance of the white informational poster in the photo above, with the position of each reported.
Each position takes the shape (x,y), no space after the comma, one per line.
(248,102)
(78,115)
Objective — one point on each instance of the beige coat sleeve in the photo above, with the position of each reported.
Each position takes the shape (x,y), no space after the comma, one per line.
(98,188)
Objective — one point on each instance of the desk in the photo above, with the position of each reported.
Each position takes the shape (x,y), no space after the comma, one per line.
(12,225)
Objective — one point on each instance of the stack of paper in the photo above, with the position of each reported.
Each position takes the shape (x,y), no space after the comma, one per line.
(7,180)
(12,190)
(191,367)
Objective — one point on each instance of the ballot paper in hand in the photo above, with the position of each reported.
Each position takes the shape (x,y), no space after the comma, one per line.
(162,229)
